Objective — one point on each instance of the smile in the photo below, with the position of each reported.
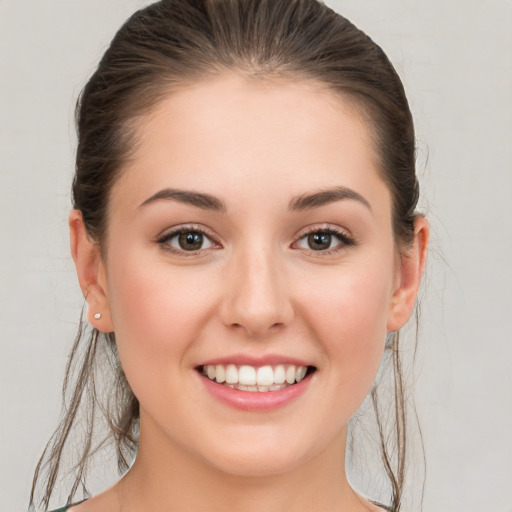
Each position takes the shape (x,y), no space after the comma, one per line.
(256,379)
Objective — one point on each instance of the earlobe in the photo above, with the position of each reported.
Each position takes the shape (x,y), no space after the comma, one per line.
(90,270)
(412,264)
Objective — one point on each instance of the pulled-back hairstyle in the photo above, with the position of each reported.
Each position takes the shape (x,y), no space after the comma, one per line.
(173,43)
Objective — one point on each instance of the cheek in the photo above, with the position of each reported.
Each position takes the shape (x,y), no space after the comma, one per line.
(149,294)
(349,317)
(353,302)
(158,313)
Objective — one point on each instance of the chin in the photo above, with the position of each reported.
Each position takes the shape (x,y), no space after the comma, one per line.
(263,454)
(256,465)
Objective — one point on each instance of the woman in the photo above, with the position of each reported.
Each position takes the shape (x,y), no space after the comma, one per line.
(245,236)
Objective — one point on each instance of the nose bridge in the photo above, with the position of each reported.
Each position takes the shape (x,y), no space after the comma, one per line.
(258,296)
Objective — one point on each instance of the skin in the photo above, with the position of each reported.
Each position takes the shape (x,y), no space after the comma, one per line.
(258,288)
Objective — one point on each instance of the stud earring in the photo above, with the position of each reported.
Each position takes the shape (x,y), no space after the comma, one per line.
(97,316)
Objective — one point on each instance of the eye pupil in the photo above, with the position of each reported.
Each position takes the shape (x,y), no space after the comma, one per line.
(190,240)
(319,241)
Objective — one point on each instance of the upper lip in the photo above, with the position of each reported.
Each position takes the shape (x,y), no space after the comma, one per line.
(266,360)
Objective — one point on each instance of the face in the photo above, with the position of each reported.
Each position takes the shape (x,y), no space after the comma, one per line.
(250,238)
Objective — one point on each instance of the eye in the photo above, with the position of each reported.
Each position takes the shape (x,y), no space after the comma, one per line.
(319,241)
(186,240)
(324,240)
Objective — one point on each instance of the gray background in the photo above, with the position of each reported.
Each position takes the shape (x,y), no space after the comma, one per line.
(455,57)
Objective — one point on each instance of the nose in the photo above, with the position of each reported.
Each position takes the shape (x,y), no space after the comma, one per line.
(257,297)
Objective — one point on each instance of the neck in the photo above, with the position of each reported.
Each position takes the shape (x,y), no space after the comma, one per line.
(166,478)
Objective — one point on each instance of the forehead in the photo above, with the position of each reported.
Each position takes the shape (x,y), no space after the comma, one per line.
(231,134)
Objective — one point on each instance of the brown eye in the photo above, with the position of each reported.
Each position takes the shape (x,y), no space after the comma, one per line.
(191,241)
(186,240)
(319,241)
(324,241)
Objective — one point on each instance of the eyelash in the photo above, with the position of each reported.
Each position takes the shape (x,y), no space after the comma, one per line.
(345,240)
(167,237)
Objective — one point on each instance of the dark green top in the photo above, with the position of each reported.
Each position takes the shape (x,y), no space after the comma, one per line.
(63,509)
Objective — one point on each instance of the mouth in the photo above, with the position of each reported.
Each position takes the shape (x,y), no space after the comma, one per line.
(261,379)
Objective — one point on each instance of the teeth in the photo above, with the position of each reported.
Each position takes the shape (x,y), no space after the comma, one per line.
(220,373)
(279,374)
(290,374)
(231,374)
(249,378)
(265,376)
(247,375)
(301,373)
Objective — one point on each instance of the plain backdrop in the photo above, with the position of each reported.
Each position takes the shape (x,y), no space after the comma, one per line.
(455,58)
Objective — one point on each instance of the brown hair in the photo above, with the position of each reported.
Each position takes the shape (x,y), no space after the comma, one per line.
(174,42)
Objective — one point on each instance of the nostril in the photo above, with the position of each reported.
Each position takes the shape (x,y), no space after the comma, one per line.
(256,328)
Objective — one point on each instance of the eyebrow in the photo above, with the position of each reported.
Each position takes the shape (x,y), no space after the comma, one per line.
(324,197)
(198,199)
(298,203)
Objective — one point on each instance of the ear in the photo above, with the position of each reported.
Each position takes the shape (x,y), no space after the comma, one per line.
(411,266)
(91,273)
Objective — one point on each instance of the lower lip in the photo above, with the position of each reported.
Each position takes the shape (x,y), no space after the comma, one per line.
(256,401)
